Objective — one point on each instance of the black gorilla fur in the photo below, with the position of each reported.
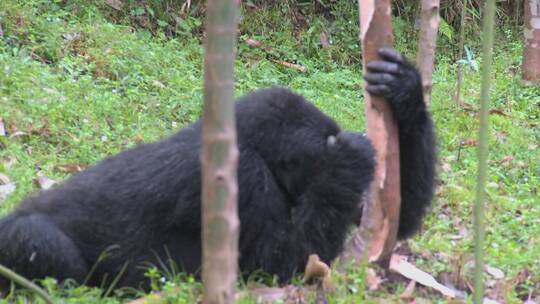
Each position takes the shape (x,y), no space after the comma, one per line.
(300,180)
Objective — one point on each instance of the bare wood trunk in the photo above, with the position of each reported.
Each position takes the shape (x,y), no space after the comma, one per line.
(488,33)
(427,43)
(219,159)
(531,50)
(377,233)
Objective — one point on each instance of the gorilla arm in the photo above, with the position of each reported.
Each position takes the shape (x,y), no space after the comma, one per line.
(418,159)
(320,217)
(399,83)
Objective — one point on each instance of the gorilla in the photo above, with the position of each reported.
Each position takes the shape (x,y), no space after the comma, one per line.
(300,179)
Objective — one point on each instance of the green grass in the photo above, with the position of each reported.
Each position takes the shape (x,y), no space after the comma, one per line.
(78,87)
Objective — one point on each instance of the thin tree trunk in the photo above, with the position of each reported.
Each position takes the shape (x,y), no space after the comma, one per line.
(220,224)
(377,234)
(531,50)
(427,43)
(487,33)
(461,47)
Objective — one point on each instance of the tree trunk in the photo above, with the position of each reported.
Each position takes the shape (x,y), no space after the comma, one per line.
(377,234)
(219,159)
(427,43)
(531,50)
(487,52)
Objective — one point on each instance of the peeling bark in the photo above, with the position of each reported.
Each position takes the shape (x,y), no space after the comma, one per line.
(377,233)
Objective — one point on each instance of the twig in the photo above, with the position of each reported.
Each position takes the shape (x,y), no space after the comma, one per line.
(11,275)
(295,66)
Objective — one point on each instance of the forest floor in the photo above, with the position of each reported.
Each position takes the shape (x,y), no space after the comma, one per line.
(79,82)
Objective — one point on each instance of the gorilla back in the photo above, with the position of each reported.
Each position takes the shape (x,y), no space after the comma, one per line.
(300,181)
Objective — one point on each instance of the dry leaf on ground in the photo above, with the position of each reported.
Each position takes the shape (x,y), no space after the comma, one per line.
(44,182)
(399,264)
(2,128)
(6,190)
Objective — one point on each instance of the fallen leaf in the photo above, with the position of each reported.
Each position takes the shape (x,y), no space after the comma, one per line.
(316,270)
(399,264)
(18,134)
(44,182)
(469,142)
(4,179)
(323,38)
(507,158)
(138,138)
(2,128)
(68,37)
(495,272)
(252,43)
(521,164)
(70,168)
(158,84)
(498,112)
(466,106)
(295,66)
(6,190)
(250,4)
(116,4)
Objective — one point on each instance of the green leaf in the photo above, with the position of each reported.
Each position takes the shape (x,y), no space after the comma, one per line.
(445,29)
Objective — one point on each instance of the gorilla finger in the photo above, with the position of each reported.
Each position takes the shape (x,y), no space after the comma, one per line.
(391,55)
(378,89)
(379,78)
(383,67)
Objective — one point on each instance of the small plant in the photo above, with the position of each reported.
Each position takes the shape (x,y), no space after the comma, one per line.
(469,61)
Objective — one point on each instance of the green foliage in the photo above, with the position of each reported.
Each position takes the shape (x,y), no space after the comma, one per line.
(80,82)
(445,29)
(509,12)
